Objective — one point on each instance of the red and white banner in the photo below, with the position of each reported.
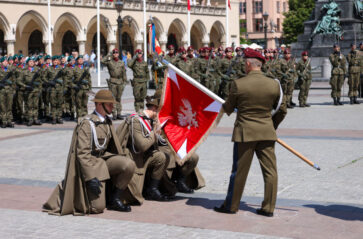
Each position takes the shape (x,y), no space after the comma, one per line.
(188,112)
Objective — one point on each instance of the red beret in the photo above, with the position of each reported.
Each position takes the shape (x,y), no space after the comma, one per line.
(190,48)
(250,53)
(171,47)
(228,49)
(115,50)
(238,49)
(220,48)
(182,50)
(138,51)
(304,53)
(267,51)
(287,51)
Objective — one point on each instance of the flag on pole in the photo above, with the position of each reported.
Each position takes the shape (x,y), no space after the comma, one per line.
(188,5)
(154,45)
(188,112)
(229,4)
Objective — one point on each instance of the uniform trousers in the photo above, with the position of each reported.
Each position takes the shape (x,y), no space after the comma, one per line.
(336,82)
(242,157)
(353,82)
(6,103)
(117,90)
(121,170)
(140,91)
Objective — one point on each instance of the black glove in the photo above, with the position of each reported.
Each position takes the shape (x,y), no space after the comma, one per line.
(51,83)
(94,185)
(29,88)
(2,85)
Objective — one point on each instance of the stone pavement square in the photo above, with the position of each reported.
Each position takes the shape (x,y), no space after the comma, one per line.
(311,204)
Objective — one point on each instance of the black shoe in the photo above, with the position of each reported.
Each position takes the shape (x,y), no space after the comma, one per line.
(264,213)
(292,103)
(37,122)
(30,123)
(10,125)
(153,193)
(54,121)
(114,117)
(117,205)
(356,101)
(59,121)
(301,105)
(183,187)
(289,106)
(3,125)
(335,101)
(338,100)
(222,209)
(119,117)
(351,100)
(72,117)
(307,105)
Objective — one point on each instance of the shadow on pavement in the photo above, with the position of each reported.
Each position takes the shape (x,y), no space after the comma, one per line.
(343,212)
(210,204)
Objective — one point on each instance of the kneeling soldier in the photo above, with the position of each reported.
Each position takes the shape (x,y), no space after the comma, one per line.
(95,157)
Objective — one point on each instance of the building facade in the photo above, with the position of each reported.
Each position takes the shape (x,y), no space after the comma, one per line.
(24,25)
(252,23)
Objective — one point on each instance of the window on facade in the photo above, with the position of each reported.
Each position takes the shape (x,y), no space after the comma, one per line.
(258,25)
(278,7)
(242,25)
(278,25)
(284,6)
(257,7)
(242,8)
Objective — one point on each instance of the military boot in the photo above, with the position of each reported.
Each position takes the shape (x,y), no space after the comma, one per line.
(30,123)
(335,101)
(37,122)
(292,103)
(54,121)
(351,100)
(338,100)
(59,121)
(116,204)
(10,124)
(3,125)
(153,193)
(182,186)
(355,100)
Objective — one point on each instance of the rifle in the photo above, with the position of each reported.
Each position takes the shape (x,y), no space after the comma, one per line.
(30,86)
(230,67)
(80,81)
(5,79)
(306,66)
(208,65)
(55,79)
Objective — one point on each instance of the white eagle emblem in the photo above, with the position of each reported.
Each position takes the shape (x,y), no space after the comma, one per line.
(187,117)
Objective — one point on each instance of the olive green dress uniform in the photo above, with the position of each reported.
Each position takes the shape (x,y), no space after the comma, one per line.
(254,96)
(87,159)
(354,73)
(303,70)
(83,86)
(54,77)
(31,81)
(338,62)
(142,147)
(6,95)
(117,82)
(139,83)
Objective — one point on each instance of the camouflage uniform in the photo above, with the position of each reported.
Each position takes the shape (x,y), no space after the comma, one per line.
(117,83)
(30,80)
(303,70)
(139,83)
(205,72)
(6,95)
(82,84)
(158,71)
(227,74)
(54,76)
(183,65)
(45,98)
(338,62)
(69,96)
(289,79)
(354,75)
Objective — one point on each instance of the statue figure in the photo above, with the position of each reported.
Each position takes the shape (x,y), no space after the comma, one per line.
(330,22)
(358,4)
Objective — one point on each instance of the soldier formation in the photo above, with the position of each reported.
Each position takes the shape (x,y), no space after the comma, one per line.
(40,88)
(43,88)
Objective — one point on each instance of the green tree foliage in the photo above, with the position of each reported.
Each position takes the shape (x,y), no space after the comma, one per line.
(299,12)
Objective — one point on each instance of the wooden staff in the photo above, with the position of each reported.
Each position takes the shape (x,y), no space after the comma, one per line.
(298,154)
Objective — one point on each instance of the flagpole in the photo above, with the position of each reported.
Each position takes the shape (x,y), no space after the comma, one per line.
(145,40)
(189,44)
(98,46)
(227,24)
(49,31)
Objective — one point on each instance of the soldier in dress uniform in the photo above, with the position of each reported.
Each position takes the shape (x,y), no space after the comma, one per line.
(97,167)
(182,61)
(6,93)
(240,67)
(289,64)
(141,77)
(254,133)
(338,61)
(354,74)
(171,56)
(118,80)
(303,70)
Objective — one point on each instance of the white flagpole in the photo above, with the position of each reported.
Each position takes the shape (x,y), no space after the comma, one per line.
(145,40)
(227,24)
(49,31)
(98,46)
(189,44)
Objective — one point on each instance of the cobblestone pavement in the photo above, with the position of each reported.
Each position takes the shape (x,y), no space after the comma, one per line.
(330,136)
